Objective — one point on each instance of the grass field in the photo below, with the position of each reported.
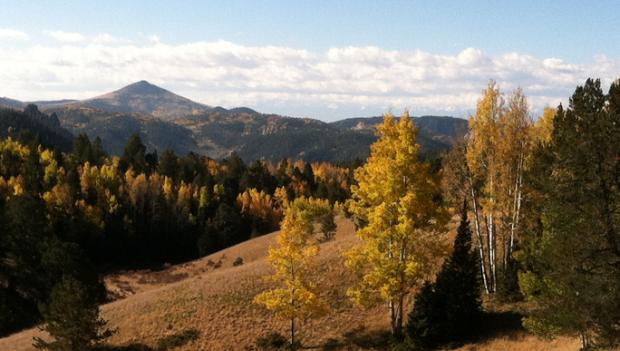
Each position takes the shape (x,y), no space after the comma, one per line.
(207,305)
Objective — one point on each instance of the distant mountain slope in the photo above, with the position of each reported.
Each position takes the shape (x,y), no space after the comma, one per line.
(439,127)
(114,129)
(10,103)
(165,120)
(254,135)
(143,97)
(13,123)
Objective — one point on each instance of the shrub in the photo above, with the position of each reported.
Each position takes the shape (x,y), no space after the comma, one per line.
(328,227)
(238,262)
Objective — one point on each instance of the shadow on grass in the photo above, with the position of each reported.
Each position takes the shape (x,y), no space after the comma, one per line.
(491,325)
(499,324)
(167,343)
(360,338)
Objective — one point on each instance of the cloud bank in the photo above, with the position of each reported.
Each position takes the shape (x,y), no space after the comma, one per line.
(8,34)
(338,82)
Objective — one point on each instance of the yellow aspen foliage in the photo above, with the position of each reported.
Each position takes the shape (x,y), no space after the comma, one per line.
(137,188)
(184,199)
(497,147)
(17,184)
(14,147)
(297,297)
(395,200)
(261,208)
(168,189)
(281,198)
(155,185)
(51,170)
(91,213)
(60,196)
(543,128)
(219,191)
(203,197)
(483,168)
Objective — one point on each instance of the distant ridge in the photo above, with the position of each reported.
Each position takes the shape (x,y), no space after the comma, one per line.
(165,120)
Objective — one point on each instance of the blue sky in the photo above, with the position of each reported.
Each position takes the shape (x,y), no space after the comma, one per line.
(337,58)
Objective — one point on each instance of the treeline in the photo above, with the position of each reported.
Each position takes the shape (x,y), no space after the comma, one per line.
(77,214)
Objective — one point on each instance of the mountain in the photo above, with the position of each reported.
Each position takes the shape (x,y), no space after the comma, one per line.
(165,120)
(144,97)
(32,122)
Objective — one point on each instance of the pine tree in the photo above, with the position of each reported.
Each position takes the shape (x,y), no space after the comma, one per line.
(72,319)
(168,164)
(297,298)
(448,310)
(134,154)
(574,262)
(397,197)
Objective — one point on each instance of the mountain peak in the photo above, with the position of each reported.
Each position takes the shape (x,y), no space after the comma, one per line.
(142,87)
(145,97)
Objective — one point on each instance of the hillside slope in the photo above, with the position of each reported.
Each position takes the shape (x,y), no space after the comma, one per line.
(208,304)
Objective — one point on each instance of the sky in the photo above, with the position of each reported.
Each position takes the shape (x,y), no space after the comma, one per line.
(323,59)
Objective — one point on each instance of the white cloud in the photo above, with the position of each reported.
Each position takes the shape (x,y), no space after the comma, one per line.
(153,39)
(336,82)
(8,34)
(106,38)
(65,37)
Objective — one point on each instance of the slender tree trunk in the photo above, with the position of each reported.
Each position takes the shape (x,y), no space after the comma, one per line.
(399,318)
(392,317)
(516,209)
(585,341)
(479,237)
(492,254)
(396,316)
(293,332)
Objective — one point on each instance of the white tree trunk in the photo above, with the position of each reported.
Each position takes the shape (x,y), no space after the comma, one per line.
(483,271)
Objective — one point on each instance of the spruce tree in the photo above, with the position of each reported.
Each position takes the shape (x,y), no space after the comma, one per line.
(447,311)
(134,154)
(574,263)
(72,319)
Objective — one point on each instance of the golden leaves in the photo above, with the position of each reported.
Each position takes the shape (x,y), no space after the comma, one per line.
(395,196)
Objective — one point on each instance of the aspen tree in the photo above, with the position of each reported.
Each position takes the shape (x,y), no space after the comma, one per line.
(396,196)
(297,297)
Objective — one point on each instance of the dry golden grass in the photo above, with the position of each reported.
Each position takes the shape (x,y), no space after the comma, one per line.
(217,303)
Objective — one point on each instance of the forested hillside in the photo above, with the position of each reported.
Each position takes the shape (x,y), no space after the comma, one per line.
(76,214)
(34,126)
